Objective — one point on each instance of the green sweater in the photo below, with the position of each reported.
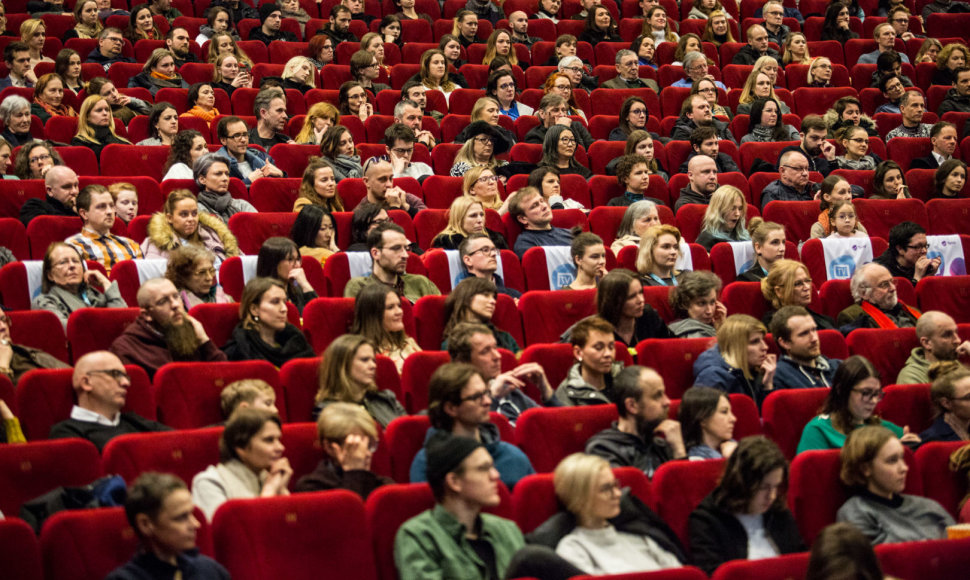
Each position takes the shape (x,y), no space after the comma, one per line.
(414,286)
(820,434)
(432,545)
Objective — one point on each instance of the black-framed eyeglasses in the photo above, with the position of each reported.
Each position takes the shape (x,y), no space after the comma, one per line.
(870,394)
(486,251)
(116,374)
(477,397)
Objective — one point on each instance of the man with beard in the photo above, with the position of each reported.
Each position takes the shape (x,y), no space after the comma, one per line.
(339,28)
(696,112)
(177,40)
(269,106)
(643,436)
(96,207)
(702,182)
(877,305)
(939,341)
(101,385)
(163,332)
(819,152)
(388,247)
(802,364)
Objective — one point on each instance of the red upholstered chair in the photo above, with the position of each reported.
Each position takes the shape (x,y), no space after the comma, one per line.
(886,348)
(903,150)
(815,101)
(682,485)
(299,383)
(674,360)
(14,192)
(951,294)
(556,359)
(441,190)
(91,329)
(387,508)
(150,198)
(184,452)
(293,158)
(546,314)
(797,216)
(19,551)
(609,101)
(404,437)
(252,229)
(536,269)
(284,537)
(939,483)
(786,412)
(13,286)
(39,329)
(100,540)
(780,568)
(547,435)
(948,216)
(813,256)
(430,310)
(744,298)
(325,319)
(276,195)
(907,406)
(188,393)
(929,559)
(218,320)
(33,469)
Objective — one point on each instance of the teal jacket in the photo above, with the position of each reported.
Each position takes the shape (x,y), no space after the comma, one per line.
(432,545)
(820,434)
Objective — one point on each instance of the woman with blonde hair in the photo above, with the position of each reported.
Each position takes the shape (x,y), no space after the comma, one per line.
(500,44)
(819,72)
(949,391)
(434,72)
(796,50)
(319,117)
(481,184)
(717,30)
(95,126)
(300,74)
(486,109)
(49,98)
(33,33)
(951,57)
(482,145)
(724,218)
(181,223)
(768,240)
(228,76)
(319,187)
(223,43)
(466,216)
(689,42)
(656,24)
(739,362)
(759,85)
(558,83)
(158,72)
(659,252)
(347,372)
(788,283)
(928,51)
(379,317)
(88,24)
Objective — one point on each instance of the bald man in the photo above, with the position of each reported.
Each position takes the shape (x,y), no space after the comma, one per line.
(756,48)
(643,436)
(702,173)
(163,332)
(101,385)
(938,341)
(62,188)
(519,23)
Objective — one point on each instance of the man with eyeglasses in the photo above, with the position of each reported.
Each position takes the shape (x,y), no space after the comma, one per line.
(553,110)
(244,163)
(885,36)
(480,257)
(899,18)
(876,303)
(62,190)
(628,73)
(943,137)
(892,89)
(802,364)
(756,48)
(163,331)
(938,341)
(793,183)
(696,112)
(695,69)
(912,105)
(399,142)
(958,97)
(269,106)
(110,43)
(774,15)
(101,385)
(96,206)
(17,57)
(381,191)
(906,256)
(411,114)
(388,247)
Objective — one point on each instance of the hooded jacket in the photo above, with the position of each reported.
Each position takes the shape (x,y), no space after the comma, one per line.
(623,449)
(213,232)
(574,390)
(690,328)
(791,374)
(954,101)
(834,124)
(916,370)
(711,370)
(512,464)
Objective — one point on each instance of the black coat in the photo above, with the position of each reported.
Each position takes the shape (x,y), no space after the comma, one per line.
(246,344)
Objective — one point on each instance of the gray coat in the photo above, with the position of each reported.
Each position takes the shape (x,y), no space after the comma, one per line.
(63,303)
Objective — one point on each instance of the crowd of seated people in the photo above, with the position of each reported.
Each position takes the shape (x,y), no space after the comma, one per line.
(325,128)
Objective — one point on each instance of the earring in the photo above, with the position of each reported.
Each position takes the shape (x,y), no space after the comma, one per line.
(256,318)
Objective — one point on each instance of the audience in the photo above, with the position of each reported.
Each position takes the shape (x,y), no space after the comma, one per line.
(907,255)
(532,213)
(724,219)
(660,248)
(876,302)
(379,317)
(211,173)
(695,302)
(949,180)
(707,423)
(180,223)
(889,182)
(479,255)
(939,341)
(702,182)
(466,217)
(842,550)
(191,269)
(789,284)
(96,242)
(912,105)
(65,285)
(264,332)
(793,183)
(739,362)
(590,379)
(388,247)
(280,259)
(802,364)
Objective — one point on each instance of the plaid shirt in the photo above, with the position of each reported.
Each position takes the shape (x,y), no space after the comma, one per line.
(108,249)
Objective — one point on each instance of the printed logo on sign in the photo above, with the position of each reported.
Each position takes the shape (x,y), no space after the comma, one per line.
(933,254)
(841,268)
(563,275)
(746,266)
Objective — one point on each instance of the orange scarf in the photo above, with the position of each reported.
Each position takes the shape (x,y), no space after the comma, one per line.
(63,110)
(881,319)
(158,75)
(197,111)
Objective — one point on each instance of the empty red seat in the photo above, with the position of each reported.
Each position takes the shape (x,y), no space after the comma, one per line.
(547,314)
(39,329)
(252,229)
(32,469)
(184,453)
(907,406)
(948,216)
(547,435)
(745,298)
(926,559)
(798,218)
(951,294)
(19,551)
(780,568)
(325,319)
(674,360)
(91,329)
(100,541)
(188,393)
(14,192)
(886,348)
(939,483)
(682,485)
(786,412)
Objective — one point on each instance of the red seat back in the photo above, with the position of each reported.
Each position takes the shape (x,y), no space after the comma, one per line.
(682,485)
(33,469)
(939,483)
(547,435)
(19,551)
(674,360)
(547,314)
(780,568)
(100,540)
(184,453)
(927,559)
(786,412)
(886,348)
(91,329)
(951,294)
(907,406)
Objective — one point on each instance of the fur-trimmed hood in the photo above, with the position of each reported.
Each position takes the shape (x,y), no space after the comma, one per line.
(832,121)
(162,236)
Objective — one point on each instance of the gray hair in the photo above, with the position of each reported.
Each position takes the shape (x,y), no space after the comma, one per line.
(691,56)
(859,285)
(204,163)
(567,61)
(637,210)
(621,54)
(264,98)
(11,105)
(399,108)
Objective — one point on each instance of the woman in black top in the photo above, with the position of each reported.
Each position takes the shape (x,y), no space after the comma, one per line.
(264,332)
(280,259)
(619,300)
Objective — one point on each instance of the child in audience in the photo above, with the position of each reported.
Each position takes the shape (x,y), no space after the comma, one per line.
(846,222)
(245,394)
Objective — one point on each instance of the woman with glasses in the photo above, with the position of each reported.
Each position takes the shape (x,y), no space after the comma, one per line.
(819,72)
(559,151)
(482,145)
(353,100)
(348,370)
(314,231)
(850,404)
(320,50)
(708,89)
(874,469)
(66,286)
(788,283)
(35,159)
(633,117)
(365,68)
(192,269)
(560,84)
(481,184)
(855,141)
(279,259)
(466,216)
(906,256)
(501,87)
(180,223)
(739,362)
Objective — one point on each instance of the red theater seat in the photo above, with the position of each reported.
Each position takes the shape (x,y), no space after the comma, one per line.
(674,360)
(780,568)
(886,348)
(91,329)
(252,229)
(184,453)
(547,314)
(547,435)
(927,559)
(951,294)
(32,469)
(325,319)
(939,483)
(786,412)
(907,406)
(87,544)
(682,485)
(19,551)
(39,329)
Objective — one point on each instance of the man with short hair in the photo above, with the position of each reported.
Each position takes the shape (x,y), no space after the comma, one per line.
(531,210)
(388,247)
(899,18)
(944,138)
(247,393)
(793,183)
(885,35)
(61,184)
(399,142)
(892,89)
(415,92)
(17,57)
(238,9)
(802,364)
(164,8)
(177,40)
(96,207)
(756,48)
(379,181)
(553,110)
(101,387)
(270,110)
(643,436)
(475,344)
(702,182)
(696,112)
(704,141)
(696,68)
(627,65)
(160,510)
(486,10)
(912,105)
(519,24)
(590,378)
(271,19)
(814,145)
(163,331)
(958,97)
(357,12)
(244,163)
(339,27)
(459,402)
(110,43)
(938,341)
(587,5)
(774,15)
(633,176)
(410,113)
(480,257)
(876,303)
